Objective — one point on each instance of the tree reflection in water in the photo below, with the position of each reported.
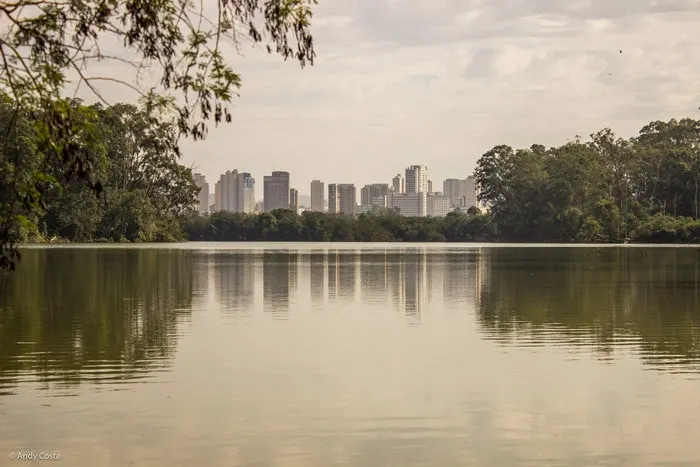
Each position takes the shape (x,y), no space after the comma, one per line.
(110,315)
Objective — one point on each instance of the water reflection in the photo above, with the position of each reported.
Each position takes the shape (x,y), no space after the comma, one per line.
(610,300)
(385,356)
(74,316)
(114,316)
(234,282)
(279,281)
(317,264)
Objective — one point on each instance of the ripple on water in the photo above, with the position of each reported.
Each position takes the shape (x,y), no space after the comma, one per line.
(592,340)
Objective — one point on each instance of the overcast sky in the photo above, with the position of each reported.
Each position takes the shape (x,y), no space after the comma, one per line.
(439,82)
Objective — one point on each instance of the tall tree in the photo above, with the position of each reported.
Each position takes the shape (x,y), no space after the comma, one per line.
(49,42)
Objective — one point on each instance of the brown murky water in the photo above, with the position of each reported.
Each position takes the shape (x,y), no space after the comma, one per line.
(348,355)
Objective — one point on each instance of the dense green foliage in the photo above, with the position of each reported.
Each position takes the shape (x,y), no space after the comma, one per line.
(644,189)
(609,190)
(145,194)
(286,225)
(50,49)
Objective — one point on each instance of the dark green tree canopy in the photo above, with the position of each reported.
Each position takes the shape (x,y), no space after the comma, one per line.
(610,189)
(47,44)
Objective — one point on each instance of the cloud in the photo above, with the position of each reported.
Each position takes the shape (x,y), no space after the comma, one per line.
(399,82)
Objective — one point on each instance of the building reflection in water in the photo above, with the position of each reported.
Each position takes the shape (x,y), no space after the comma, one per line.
(413,278)
(347,272)
(463,278)
(414,284)
(342,272)
(279,281)
(234,282)
(333,275)
(408,279)
(374,278)
(317,264)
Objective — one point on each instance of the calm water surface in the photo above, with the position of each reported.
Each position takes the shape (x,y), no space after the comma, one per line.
(328,355)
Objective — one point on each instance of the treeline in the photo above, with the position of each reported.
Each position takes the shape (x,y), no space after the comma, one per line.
(287,225)
(135,189)
(643,189)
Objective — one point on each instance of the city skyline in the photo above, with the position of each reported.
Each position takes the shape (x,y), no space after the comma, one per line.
(473,75)
(412,192)
(304,190)
(334,197)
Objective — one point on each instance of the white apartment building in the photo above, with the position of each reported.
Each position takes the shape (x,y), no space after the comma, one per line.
(203,197)
(235,192)
(317,196)
(439,205)
(416,179)
(461,192)
(398,184)
(409,204)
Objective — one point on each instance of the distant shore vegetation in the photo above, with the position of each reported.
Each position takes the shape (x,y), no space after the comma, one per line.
(644,189)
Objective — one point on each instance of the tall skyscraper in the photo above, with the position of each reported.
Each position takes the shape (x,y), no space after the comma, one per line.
(203,199)
(453,188)
(398,185)
(374,194)
(430,186)
(317,196)
(276,191)
(294,199)
(417,179)
(235,192)
(365,195)
(333,198)
(341,198)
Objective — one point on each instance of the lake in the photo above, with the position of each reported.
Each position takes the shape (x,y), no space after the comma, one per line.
(351,355)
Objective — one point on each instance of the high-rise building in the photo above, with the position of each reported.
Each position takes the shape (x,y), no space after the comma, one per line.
(341,198)
(203,197)
(212,201)
(416,179)
(375,193)
(453,188)
(470,192)
(438,205)
(333,198)
(397,184)
(235,192)
(461,192)
(276,191)
(430,186)
(409,204)
(294,199)
(248,193)
(317,196)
